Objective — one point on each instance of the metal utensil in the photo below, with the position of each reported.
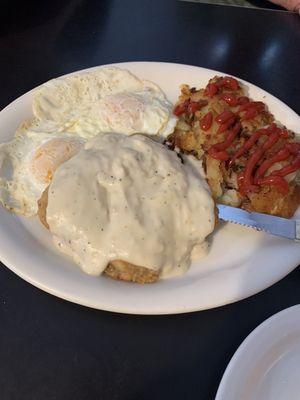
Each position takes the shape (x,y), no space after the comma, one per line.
(288,228)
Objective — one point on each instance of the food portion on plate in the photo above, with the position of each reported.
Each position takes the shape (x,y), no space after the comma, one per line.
(92,164)
(105,100)
(250,160)
(67,112)
(116,175)
(129,202)
(27,165)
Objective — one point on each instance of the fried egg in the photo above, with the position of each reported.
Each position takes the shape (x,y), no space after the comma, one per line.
(27,165)
(67,112)
(106,100)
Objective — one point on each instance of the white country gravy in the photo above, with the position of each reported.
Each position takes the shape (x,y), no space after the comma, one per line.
(130,198)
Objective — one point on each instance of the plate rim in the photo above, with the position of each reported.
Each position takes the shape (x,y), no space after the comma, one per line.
(129,310)
(225,380)
(152,62)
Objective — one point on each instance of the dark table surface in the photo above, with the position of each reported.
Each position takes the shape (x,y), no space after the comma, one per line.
(52,349)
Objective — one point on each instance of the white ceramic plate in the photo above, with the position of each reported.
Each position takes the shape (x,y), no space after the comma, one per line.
(267,364)
(241,262)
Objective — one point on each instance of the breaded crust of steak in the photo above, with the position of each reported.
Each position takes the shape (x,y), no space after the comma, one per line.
(117,269)
(125,271)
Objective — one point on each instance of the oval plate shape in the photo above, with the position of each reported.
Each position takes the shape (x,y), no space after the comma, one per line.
(240,263)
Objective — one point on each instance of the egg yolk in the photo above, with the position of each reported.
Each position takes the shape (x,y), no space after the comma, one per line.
(126,109)
(51,155)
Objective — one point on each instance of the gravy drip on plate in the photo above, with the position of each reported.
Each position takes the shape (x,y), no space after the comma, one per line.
(131,199)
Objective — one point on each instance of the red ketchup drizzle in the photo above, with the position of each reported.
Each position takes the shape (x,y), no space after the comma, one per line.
(242,100)
(226,125)
(251,104)
(294,148)
(225,119)
(251,177)
(282,155)
(277,181)
(181,108)
(288,169)
(248,144)
(206,121)
(218,150)
(248,179)
(221,155)
(248,182)
(251,109)
(211,89)
(195,106)
(230,99)
(226,82)
(224,116)
(189,106)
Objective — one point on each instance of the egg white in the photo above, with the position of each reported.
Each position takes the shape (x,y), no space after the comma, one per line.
(106,100)
(73,110)
(22,179)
